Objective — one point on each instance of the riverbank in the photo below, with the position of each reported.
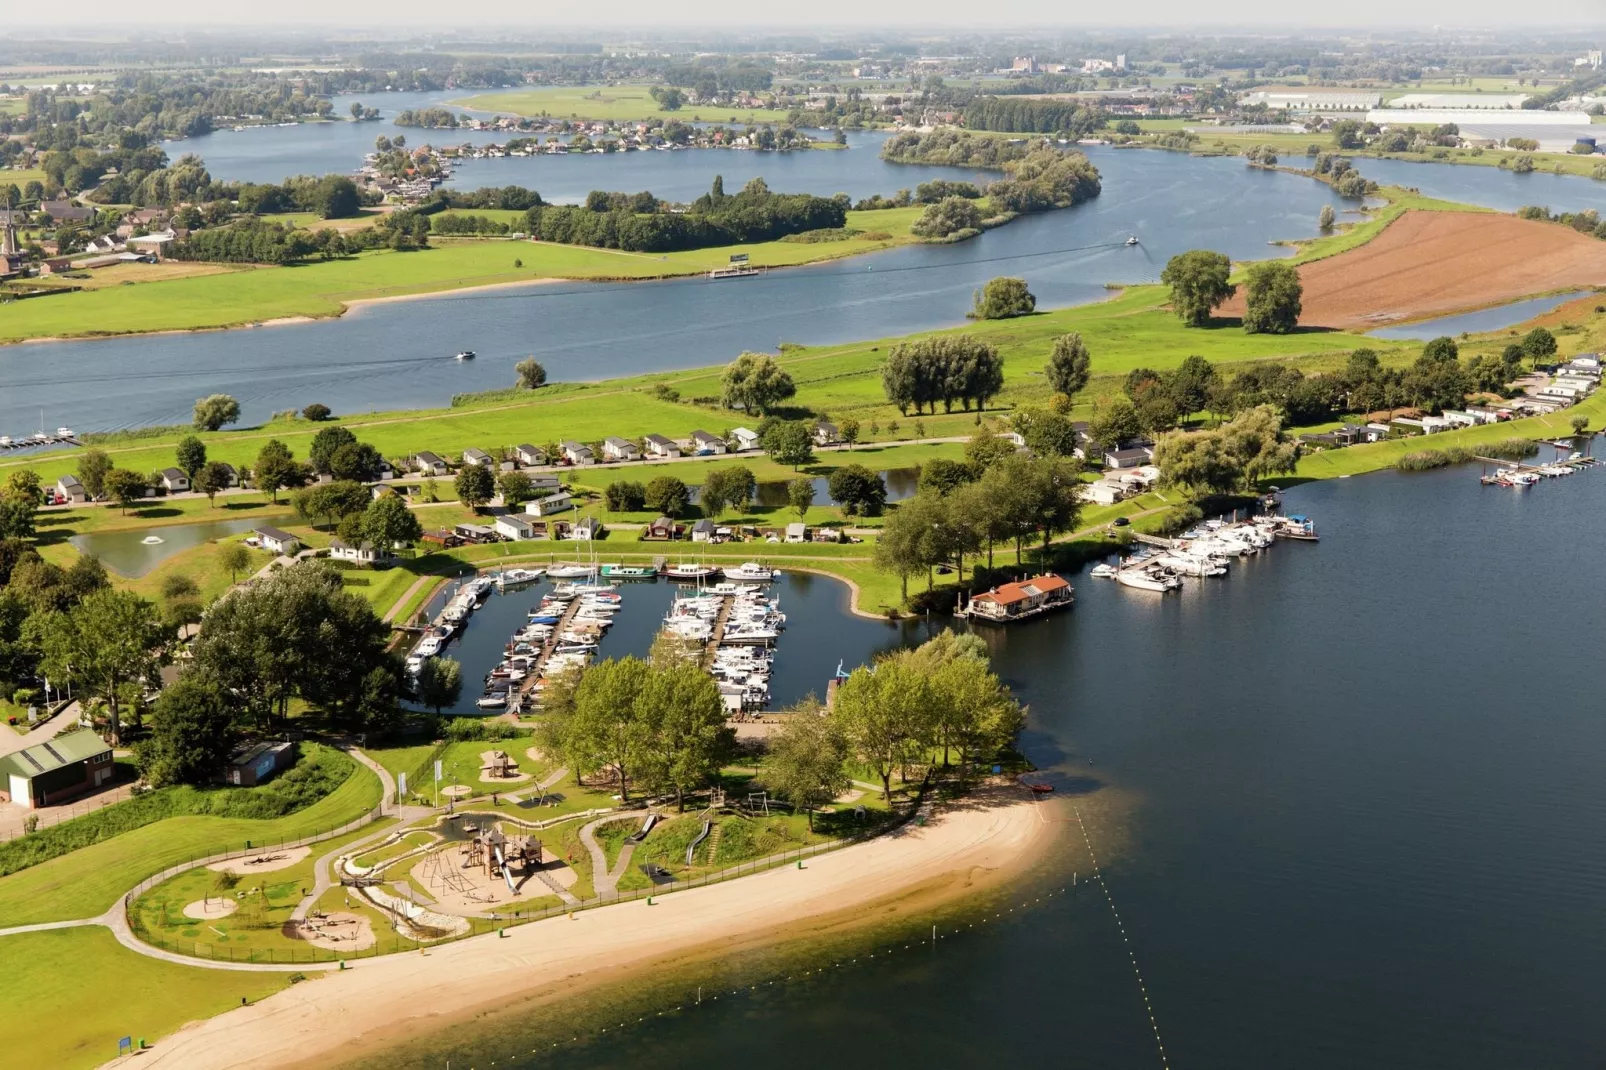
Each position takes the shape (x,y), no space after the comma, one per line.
(969,846)
(249,296)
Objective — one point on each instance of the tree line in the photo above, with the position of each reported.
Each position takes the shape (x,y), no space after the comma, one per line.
(753,215)
(946,369)
(1026,115)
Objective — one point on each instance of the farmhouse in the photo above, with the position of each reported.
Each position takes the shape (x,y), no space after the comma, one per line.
(55,770)
(620,449)
(275,541)
(575,453)
(529,455)
(174,480)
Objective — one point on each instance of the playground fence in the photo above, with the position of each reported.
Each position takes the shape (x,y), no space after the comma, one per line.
(394,943)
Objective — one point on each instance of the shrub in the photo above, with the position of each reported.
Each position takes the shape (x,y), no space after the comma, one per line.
(316,412)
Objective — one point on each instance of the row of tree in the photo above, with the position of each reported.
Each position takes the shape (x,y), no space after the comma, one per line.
(753,215)
(1200,280)
(944,369)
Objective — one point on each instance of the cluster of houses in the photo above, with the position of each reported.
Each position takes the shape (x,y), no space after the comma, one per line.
(139,237)
(614,450)
(1544,393)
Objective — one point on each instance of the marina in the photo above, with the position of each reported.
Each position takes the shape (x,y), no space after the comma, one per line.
(1161,564)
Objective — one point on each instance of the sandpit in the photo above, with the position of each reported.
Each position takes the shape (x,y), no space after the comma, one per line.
(463,891)
(211,909)
(1427,264)
(338,931)
(457,791)
(263,862)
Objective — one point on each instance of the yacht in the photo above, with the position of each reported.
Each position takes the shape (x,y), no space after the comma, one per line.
(569,572)
(690,572)
(752,572)
(1147,579)
(467,354)
(629,572)
(514,576)
(1105,571)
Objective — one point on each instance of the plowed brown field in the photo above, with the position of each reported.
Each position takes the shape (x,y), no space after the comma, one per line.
(1432,263)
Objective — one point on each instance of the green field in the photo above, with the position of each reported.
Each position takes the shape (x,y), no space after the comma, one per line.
(257,294)
(20,177)
(106,992)
(615,103)
(88,881)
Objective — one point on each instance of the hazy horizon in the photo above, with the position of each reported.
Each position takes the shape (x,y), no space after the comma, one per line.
(1262,17)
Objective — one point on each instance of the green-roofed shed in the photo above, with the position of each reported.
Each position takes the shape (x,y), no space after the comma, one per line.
(56,770)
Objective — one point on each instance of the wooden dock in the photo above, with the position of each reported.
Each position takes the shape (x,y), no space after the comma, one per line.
(718,635)
(538,667)
(1154,540)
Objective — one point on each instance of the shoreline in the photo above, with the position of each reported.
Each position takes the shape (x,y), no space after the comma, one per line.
(985,839)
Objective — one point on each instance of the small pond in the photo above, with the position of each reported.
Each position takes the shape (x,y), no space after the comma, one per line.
(1484,319)
(132,554)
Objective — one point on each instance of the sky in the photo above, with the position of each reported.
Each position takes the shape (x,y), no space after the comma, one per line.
(910,16)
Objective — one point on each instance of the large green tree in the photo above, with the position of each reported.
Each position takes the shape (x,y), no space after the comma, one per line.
(1069,365)
(1003,298)
(110,639)
(805,765)
(275,469)
(191,455)
(439,683)
(214,411)
(192,733)
(1198,282)
(93,464)
(388,523)
(320,454)
(756,382)
(475,485)
(727,488)
(1272,298)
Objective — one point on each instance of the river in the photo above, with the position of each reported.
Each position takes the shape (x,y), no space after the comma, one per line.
(1347,799)
(397,355)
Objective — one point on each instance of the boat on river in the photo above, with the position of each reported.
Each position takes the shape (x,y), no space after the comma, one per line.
(685,571)
(751,572)
(1149,577)
(467,354)
(629,572)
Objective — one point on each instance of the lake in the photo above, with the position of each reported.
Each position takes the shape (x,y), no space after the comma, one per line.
(1490,187)
(1347,799)
(131,554)
(398,355)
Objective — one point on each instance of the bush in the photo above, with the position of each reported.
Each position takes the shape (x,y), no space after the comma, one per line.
(1002,298)
(472,729)
(319,772)
(316,412)
(1511,449)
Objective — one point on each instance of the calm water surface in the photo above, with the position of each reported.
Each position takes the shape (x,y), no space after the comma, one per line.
(129,554)
(1487,319)
(399,355)
(1348,800)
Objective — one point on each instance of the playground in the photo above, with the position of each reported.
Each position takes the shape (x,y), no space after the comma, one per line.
(489,869)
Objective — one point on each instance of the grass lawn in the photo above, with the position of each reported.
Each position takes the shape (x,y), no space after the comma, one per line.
(237,297)
(21,176)
(614,102)
(72,1017)
(88,881)
(255,931)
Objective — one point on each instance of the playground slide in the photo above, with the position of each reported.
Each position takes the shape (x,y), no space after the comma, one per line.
(691,848)
(501,864)
(641,833)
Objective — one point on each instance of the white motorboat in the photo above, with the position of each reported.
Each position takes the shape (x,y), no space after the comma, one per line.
(492,700)
(467,354)
(570,572)
(752,572)
(1147,579)
(513,576)
(1105,571)
(690,572)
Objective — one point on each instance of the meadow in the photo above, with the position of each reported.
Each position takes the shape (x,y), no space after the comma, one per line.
(254,294)
(614,103)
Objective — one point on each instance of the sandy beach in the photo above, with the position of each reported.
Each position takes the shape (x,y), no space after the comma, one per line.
(981,841)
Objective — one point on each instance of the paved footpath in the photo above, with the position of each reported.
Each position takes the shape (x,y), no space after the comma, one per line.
(116,918)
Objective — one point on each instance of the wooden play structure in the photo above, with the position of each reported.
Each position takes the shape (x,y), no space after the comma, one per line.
(499,766)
